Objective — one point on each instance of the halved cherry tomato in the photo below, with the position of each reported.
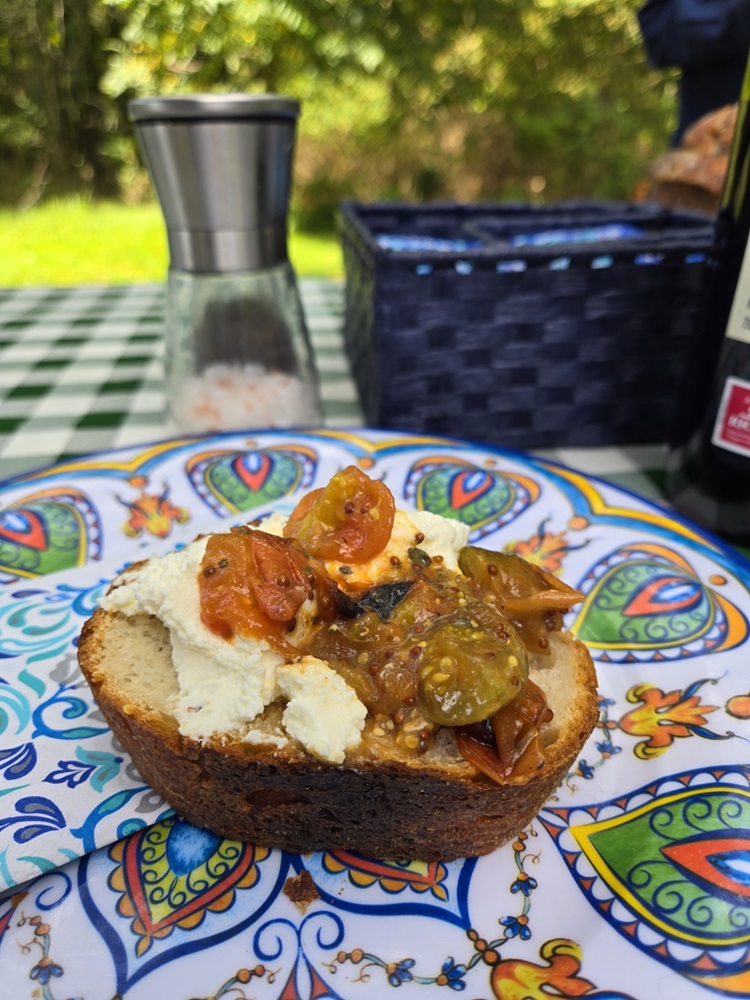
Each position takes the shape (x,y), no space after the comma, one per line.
(516,729)
(523,587)
(532,598)
(508,747)
(350,520)
(252,583)
(300,512)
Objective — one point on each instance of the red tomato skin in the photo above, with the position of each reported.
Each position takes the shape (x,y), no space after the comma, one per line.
(349,521)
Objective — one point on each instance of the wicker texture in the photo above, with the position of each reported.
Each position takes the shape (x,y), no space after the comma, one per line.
(573,344)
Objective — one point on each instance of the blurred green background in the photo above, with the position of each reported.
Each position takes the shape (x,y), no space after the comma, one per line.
(522,100)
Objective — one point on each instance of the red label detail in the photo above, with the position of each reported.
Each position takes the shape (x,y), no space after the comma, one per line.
(732,430)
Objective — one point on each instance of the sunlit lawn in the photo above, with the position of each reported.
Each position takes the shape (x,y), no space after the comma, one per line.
(75,242)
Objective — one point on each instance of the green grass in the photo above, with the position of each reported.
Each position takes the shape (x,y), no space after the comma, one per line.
(76,242)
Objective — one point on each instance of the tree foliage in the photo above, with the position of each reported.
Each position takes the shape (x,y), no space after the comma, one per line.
(477,99)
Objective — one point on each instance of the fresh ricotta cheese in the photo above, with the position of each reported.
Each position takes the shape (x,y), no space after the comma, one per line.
(322,712)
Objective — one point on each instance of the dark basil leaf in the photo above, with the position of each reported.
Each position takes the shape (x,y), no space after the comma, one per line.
(383,599)
(346,606)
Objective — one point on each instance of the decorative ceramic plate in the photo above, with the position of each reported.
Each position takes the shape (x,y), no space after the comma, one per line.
(633,881)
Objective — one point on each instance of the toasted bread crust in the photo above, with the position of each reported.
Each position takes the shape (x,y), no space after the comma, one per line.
(431,808)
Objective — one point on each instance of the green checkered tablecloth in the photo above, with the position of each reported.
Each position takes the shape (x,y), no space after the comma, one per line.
(81,371)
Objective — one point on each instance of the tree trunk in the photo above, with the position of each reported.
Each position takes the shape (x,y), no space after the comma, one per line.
(58,60)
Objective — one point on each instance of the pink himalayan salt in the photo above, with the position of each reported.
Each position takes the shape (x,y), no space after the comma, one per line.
(231,397)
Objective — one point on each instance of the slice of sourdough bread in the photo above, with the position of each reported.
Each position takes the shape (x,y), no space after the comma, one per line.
(381,802)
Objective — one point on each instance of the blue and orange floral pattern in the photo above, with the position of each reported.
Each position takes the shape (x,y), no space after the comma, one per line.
(231,482)
(674,857)
(483,497)
(171,875)
(48,531)
(151,513)
(392,877)
(646,603)
(661,717)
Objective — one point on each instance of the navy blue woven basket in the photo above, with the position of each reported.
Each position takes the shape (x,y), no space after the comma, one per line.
(456,323)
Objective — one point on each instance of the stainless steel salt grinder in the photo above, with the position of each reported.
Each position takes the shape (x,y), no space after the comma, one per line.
(237,349)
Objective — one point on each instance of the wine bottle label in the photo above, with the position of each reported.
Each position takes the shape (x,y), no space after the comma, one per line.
(732,427)
(738,327)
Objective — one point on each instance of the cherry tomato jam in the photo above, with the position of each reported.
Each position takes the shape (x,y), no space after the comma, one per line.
(430,648)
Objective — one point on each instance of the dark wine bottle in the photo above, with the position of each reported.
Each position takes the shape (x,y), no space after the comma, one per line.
(708,464)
